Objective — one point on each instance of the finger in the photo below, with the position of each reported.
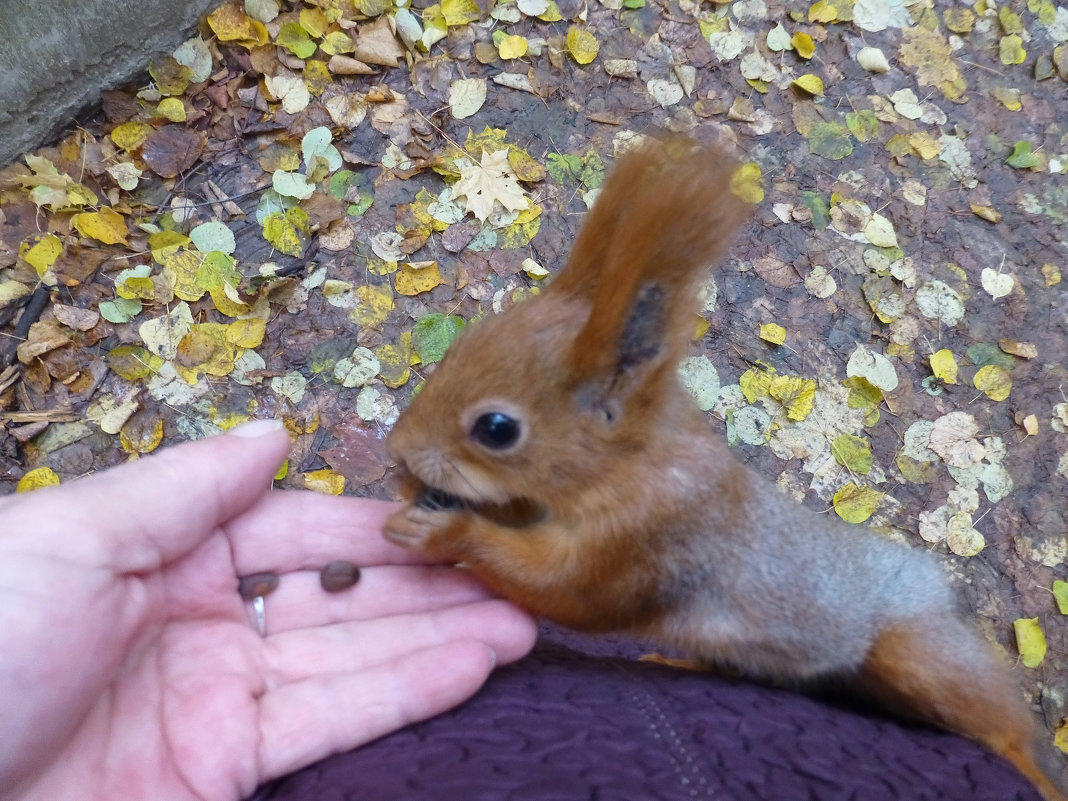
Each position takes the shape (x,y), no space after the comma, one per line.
(300,601)
(361,645)
(300,530)
(148,512)
(309,720)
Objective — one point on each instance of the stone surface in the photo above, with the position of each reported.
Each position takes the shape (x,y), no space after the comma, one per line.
(56,57)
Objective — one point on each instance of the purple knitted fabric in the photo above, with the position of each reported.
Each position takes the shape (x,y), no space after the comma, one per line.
(580,719)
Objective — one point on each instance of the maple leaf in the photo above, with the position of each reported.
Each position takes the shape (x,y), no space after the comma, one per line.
(491,181)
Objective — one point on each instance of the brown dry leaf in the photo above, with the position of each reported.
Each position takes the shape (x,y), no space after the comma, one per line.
(776,271)
(73,317)
(377,44)
(172,150)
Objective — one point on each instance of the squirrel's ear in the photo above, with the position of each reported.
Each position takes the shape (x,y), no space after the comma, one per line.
(664,214)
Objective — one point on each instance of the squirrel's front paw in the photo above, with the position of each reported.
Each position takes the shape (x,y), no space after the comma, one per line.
(432,532)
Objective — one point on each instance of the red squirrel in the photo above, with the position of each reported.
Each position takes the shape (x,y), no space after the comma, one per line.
(555,454)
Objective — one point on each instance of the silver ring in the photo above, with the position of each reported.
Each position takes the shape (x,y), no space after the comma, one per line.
(259,612)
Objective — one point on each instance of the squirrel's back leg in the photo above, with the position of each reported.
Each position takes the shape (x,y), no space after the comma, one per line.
(941,672)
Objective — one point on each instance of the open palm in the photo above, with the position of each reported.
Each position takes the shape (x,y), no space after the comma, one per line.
(130,668)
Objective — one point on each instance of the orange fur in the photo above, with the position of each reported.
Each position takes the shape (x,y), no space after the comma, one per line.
(605,501)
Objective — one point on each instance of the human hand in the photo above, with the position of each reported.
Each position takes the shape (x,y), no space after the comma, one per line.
(130,668)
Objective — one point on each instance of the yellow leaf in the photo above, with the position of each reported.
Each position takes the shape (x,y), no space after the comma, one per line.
(205,348)
(1060,737)
(1011,50)
(42,255)
(247,333)
(37,478)
(1060,595)
(172,109)
(797,395)
(131,135)
(374,305)
(1030,641)
(944,366)
(231,24)
(822,11)
(803,45)
(180,269)
(519,233)
(747,183)
(106,225)
(137,437)
(512,47)
(810,83)
(414,278)
(336,43)
(394,364)
(552,13)
(582,45)
(856,504)
(324,481)
(959,20)
(994,380)
(756,383)
(460,12)
(1009,98)
(925,145)
(988,213)
(773,333)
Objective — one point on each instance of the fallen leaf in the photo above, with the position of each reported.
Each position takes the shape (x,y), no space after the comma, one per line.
(944,366)
(773,333)
(582,45)
(466,96)
(1060,595)
(325,481)
(172,150)
(810,83)
(856,504)
(993,380)
(873,60)
(36,479)
(1030,640)
(953,437)
(489,182)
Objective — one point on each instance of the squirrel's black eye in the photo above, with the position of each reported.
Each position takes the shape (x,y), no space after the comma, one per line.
(496,431)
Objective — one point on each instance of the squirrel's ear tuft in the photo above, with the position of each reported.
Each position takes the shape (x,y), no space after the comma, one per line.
(664,215)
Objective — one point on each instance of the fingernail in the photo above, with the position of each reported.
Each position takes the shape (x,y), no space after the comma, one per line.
(256,428)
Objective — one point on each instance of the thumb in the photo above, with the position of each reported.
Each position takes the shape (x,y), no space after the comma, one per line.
(148,512)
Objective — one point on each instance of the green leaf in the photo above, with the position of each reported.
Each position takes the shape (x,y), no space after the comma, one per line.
(296,40)
(981,354)
(820,208)
(317,144)
(830,140)
(563,167)
(432,335)
(1021,157)
(852,452)
(213,235)
(120,310)
(863,124)
(1060,595)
